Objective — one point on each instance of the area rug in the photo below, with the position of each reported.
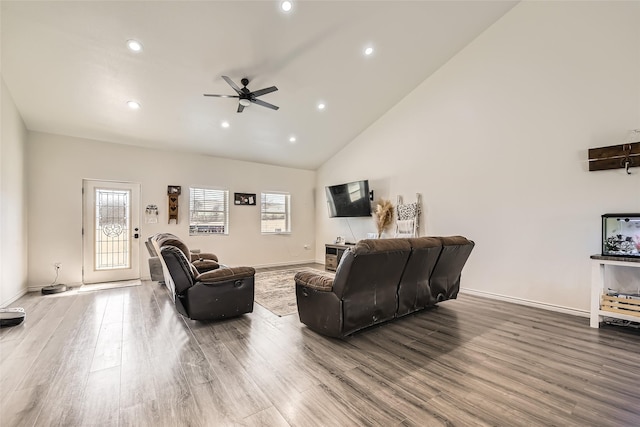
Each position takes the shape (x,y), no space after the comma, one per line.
(275,290)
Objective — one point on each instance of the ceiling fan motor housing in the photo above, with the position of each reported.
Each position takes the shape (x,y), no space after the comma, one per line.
(245,96)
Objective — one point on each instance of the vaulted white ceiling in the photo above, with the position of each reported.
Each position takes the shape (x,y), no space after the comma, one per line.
(69,71)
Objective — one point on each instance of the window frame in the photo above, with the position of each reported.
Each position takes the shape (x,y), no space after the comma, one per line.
(287,212)
(225,211)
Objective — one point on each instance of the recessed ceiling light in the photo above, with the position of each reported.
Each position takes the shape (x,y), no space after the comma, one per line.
(286,6)
(368,50)
(134,45)
(224,124)
(292,139)
(321,106)
(134,105)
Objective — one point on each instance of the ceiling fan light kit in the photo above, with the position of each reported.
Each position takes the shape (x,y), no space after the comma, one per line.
(245,96)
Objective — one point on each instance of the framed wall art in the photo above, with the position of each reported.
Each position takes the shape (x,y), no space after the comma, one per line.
(244,199)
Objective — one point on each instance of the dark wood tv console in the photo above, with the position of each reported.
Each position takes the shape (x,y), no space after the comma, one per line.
(333,253)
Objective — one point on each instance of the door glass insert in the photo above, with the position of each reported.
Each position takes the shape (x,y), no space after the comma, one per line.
(112,249)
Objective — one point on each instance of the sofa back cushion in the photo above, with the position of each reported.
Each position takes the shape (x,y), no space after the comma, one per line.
(168,239)
(180,269)
(367,281)
(445,279)
(414,291)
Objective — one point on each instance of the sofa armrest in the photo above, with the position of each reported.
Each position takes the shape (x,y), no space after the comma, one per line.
(204,265)
(320,310)
(202,257)
(225,274)
(314,281)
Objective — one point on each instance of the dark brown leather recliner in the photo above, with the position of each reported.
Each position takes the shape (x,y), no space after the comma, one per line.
(203,289)
(215,294)
(378,280)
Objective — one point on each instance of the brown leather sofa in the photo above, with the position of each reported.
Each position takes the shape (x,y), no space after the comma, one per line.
(200,289)
(381,279)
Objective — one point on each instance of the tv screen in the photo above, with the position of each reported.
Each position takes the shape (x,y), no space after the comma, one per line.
(349,200)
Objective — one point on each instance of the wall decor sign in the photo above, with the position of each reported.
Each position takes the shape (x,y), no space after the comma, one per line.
(173,191)
(151,214)
(244,198)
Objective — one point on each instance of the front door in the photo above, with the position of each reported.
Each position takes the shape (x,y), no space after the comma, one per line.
(110,231)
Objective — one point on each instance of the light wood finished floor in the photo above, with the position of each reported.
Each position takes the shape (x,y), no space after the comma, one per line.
(124,357)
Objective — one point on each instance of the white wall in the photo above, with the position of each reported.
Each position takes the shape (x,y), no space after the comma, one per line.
(58,164)
(496,142)
(13,207)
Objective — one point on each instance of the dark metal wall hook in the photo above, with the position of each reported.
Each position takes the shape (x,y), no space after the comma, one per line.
(627,162)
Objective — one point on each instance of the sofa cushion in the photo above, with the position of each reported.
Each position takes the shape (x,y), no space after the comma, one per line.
(454,240)
(367,246)
(445,278)
(167,239)
(181,270)
(414,291)
(204,265)
(367,281)
(225,274)
(424,242)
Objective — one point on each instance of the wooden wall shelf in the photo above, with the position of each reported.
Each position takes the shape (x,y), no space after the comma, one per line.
(623,156)
(173,191)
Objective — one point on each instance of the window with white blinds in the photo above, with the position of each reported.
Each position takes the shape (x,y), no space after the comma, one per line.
(275,209)
(208,211)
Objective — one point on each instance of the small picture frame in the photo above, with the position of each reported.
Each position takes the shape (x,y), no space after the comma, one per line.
(173,189)
(247,199)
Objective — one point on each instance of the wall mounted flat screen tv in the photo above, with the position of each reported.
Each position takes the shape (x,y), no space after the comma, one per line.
(349,200)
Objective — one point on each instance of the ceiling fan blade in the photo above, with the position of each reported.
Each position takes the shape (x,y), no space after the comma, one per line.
(221,96)
(232,84)
(264,91)
(240,108)
(264,104)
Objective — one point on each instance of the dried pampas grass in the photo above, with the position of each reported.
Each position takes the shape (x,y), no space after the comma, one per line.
(383,215)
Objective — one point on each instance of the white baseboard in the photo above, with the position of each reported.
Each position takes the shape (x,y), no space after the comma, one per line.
(284,264)
(522,301)
(39,288)
(71,285)
(14,298)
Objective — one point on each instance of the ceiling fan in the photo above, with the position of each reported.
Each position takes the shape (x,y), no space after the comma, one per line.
(245,96)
